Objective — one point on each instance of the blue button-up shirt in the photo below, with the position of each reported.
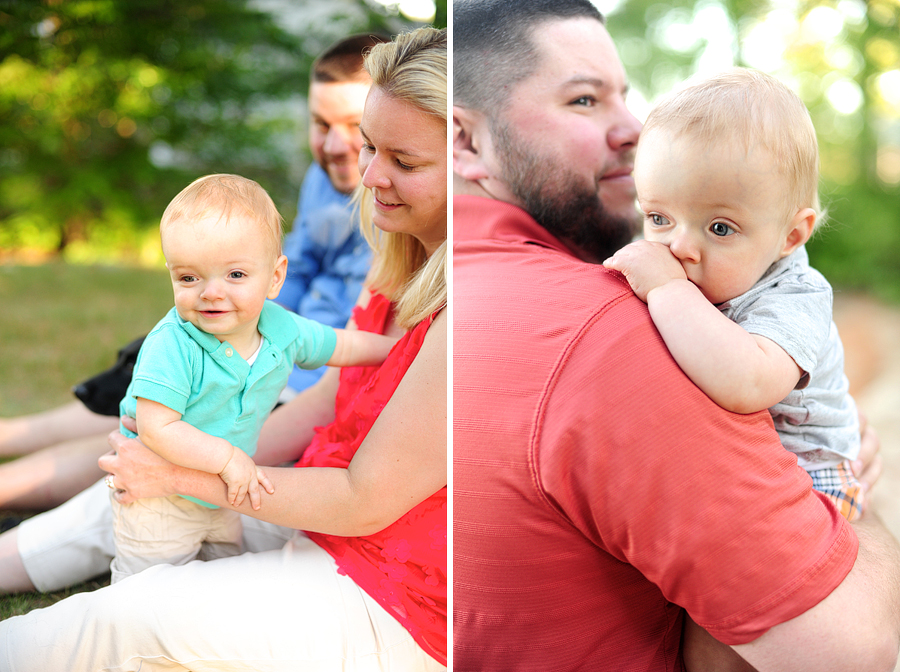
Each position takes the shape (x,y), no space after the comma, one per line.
(328,260)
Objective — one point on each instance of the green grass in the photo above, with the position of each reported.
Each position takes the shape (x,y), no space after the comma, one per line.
(15,605)
(61,324)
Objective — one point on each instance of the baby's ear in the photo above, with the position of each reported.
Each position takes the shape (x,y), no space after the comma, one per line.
(278,277)
(799,231)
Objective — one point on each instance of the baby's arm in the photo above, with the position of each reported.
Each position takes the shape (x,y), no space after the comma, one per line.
(360,348)
(741,372)
(163,431)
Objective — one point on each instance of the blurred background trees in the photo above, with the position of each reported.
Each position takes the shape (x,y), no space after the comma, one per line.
(108,108)
(843,59)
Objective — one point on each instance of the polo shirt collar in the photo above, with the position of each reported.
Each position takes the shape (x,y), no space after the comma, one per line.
(275,324)
(206,341)
(481,219)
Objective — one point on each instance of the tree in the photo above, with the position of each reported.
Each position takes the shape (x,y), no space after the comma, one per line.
(843,58)
(109,107)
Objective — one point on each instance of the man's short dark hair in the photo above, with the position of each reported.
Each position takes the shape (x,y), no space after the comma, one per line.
(493,47)
(343,60)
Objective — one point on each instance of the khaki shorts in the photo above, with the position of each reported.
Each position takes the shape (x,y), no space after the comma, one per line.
(172,531)
(74,542)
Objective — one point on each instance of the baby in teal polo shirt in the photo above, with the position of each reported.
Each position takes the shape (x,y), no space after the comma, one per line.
(211,371)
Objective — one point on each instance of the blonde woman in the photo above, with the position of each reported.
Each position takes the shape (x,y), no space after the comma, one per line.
(364,585)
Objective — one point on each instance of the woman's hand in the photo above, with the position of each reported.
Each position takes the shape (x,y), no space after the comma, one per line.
(138,472)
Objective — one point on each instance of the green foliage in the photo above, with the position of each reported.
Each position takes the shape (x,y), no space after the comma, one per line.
(832,53)
(108,108)
(440,17)
(859,246)
(90,90)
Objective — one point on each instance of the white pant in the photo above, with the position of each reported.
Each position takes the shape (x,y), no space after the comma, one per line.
(285,609)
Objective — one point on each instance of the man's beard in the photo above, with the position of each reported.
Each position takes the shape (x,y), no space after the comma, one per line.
(558,201)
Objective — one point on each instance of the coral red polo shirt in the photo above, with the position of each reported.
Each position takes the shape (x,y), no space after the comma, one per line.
(597,491)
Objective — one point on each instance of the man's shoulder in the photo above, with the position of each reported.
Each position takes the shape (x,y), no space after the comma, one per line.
(544,304)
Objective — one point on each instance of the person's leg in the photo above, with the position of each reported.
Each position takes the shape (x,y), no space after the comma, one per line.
(270,612)
(74,543)
(27,433)
(261,536)
(47,478)
(13,577)
(67,545)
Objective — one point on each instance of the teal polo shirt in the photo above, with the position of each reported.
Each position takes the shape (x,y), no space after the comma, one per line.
(212,386)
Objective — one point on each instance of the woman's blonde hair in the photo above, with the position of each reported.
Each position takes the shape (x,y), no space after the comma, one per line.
(755,109)
(411,68)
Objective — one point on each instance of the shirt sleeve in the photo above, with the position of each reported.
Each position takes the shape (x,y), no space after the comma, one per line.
(795,314)
(164,373)
(706,504)
(315,343)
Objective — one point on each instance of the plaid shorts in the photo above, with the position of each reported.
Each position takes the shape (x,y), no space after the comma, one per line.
(841,487)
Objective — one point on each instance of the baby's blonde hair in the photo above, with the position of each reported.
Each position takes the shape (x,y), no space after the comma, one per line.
(411,68)
(227,196)
(753,109)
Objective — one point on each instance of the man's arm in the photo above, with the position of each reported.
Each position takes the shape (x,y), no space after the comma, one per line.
(741,372)
(303,262)
(857,627)
(701,650)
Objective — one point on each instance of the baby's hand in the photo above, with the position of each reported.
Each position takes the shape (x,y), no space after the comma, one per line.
(243,477)
(646,266)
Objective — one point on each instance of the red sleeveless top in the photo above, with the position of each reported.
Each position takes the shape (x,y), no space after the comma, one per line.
(403,567)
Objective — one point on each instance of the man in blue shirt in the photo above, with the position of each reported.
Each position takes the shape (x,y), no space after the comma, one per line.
(327,256)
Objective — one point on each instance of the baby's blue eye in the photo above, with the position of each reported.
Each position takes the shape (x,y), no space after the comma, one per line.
(721,229)
(658,220)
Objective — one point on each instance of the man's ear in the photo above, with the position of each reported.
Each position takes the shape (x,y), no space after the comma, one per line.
(801,228)
(278,277)
(468,152)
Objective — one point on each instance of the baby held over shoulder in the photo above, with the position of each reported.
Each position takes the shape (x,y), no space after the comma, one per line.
(723,267)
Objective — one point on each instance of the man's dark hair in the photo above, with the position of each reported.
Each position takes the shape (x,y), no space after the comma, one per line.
(343,60)
(493,47)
